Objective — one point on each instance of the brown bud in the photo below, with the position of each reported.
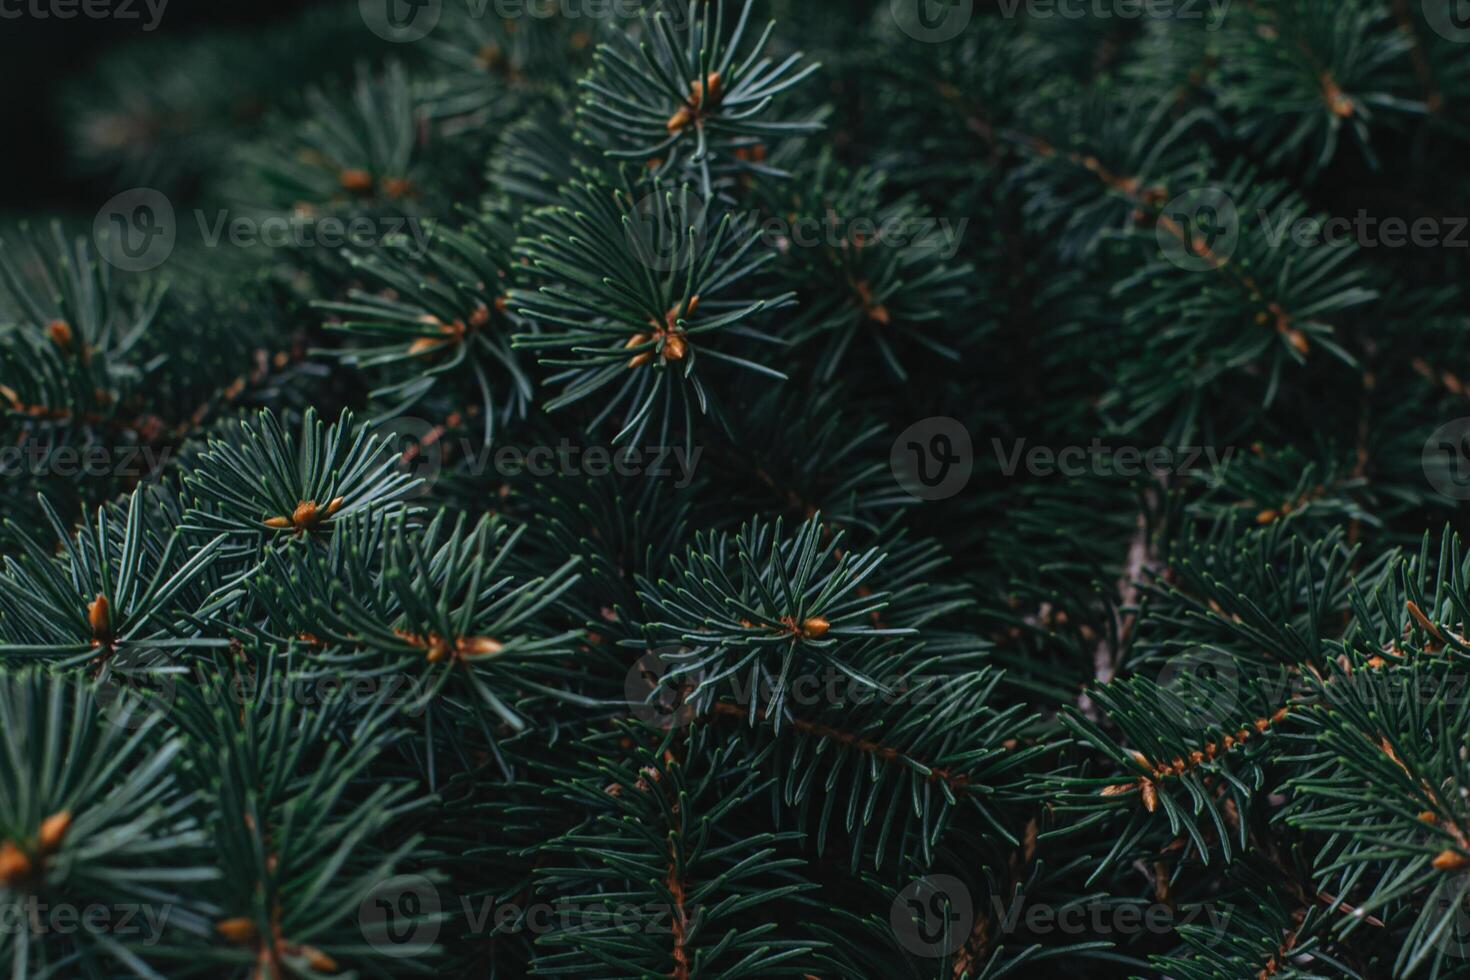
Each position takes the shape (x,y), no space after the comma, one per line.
(60,333)
(425,344)
(396,187)
(675,347)
(278,522)
(53,829)
(318,961)
(14,865)
(356,181)
(707,93)
(815,628)
(239,930)
(480,646)
(99,617)
(1450,859)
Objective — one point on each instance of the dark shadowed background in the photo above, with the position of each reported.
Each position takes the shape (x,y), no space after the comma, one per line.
(40,55)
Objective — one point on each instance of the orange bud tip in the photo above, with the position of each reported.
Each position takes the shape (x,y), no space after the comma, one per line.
(53,829)
(60,333)
(239,930)
(1451,860)
(356,181)
(815,628)
(99,617)
(14,865)
(480,646)
(318,961)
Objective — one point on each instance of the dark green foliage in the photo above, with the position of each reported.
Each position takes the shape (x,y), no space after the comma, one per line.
(604,632)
